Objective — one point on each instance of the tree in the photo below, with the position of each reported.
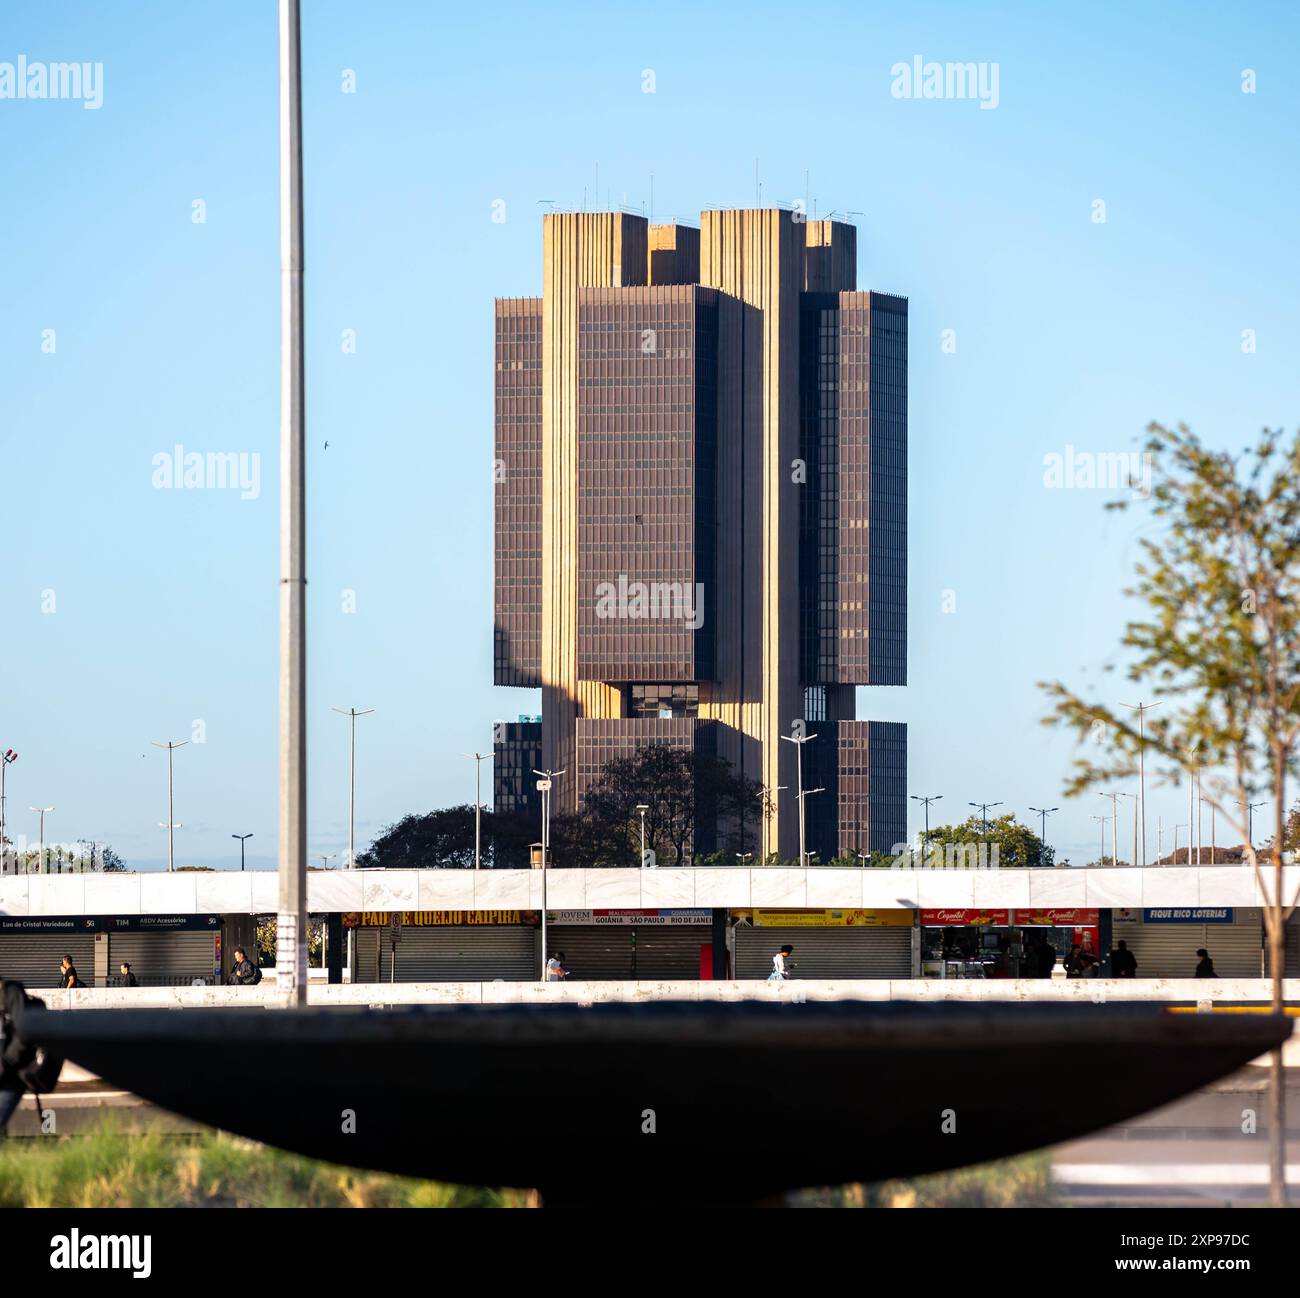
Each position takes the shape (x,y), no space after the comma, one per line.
(685,792)
(1219,641)
(1017,845)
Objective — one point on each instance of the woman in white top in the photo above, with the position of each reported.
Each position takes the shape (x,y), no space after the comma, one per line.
(779,970)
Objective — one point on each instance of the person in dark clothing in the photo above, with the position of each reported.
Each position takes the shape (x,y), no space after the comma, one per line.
(244,972)
(68,974)
(1074,962)
(1204,965)
(1123,964)
(128,978)
(1046,959)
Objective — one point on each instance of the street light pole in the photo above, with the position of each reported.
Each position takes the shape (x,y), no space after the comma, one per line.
(352,714)
(1044,812)
(171,815)
(291,925)
(241,838)
(545,780)
(984,814)
(642,807)
(40,860)
(6,758)
(1134,797)
(799,741)
(478,759)
(1101,860)
(1142,709)
(1114,826)
(934,797)
(1250,820)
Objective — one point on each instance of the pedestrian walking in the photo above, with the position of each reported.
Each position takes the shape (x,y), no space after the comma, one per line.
(1204,965)
(781,965)
(555,969)
(128,978)
(68,974)
(244,973)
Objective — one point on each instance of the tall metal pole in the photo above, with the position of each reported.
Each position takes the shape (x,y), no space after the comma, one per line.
(40,861)
(352,714)
(478,759)
(1102,858)
(798,741)
(171,815)
(242,838)
(291,928)
(1114,827)
(6,758)
(1250,821)
(1142,709)
(1044,812)
(1191,814)
(544,782)
(984,814)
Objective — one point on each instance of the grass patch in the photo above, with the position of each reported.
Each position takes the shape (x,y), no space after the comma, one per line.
(1024,1182)
(112,1167)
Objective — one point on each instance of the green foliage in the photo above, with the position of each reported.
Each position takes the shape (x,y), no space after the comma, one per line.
(1017,844)
(113,1167)
(446,838)
(1024,1182)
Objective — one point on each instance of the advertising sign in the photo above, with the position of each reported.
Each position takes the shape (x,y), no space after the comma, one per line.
(1028,916)
(662,918)
(1188,915)
(833,918)
(436,918)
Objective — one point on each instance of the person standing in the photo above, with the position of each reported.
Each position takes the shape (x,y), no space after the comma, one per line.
(1123,963)
(128,978)
(68,974)
(1204,965)
(243,973)
(780,965)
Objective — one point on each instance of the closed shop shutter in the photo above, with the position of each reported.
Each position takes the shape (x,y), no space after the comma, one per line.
(1293,946)
(1169,950)
(594,952)
(450,953)
(670,951)
(163,959)
(33,958)
(826,952)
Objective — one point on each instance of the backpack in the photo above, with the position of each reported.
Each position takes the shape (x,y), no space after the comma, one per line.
(257,974)
(30,1067)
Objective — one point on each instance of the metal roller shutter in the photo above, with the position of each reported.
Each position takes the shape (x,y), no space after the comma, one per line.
(1169,950)
(826,952)
(1293,946)
(163,959)
(596,952)
(33,958)
(628,952)
(460,953)
(670,952)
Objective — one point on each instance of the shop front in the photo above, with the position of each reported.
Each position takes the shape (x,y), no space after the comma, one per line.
(626,945)
(966,943)
(162,950)
(445,945)
(839,944)
(1164,939)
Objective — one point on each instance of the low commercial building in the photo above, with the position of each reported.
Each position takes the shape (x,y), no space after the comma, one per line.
(162,950)
(848,942)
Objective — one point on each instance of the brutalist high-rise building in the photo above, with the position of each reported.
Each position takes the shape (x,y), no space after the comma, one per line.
(701,508)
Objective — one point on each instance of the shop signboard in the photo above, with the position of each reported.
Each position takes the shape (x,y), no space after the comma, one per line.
(833,918)
(1026,916)
(109,923)
(660,918)
(436,918)
(1188,915)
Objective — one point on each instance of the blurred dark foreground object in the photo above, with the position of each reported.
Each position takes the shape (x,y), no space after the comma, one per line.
(24,1066)
(660,1102)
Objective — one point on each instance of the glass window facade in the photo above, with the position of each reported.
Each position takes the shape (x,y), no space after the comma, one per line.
(517,482)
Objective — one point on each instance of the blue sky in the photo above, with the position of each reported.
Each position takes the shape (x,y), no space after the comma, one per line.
(130,613)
